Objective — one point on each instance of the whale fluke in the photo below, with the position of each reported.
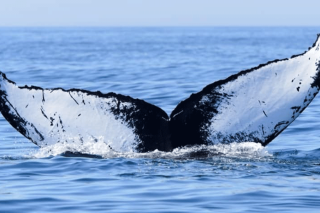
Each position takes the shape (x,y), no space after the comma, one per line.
(253,105)
(49,116)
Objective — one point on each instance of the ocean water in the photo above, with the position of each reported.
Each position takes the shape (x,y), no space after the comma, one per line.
(162,66)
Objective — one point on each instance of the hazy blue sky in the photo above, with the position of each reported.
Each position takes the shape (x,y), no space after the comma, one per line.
(159,12)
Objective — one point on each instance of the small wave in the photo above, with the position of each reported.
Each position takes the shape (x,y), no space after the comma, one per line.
(99,149)
(239,150)
(298,155)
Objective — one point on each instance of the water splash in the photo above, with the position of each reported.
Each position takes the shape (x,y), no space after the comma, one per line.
(98,148)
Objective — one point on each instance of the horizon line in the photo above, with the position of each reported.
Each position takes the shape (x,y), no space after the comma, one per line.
(146,26)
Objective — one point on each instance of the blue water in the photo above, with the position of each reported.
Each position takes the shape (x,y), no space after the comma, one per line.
(162,66)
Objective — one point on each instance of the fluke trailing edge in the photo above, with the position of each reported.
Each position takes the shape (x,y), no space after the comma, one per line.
(252,105)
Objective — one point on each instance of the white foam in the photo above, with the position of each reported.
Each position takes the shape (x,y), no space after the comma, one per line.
(99,148)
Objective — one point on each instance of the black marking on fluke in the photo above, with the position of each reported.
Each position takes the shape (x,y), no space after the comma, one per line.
(152,126)
(264,113)
(73,98)
(43,113)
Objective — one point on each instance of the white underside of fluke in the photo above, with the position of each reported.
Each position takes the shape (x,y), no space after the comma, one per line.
(266,100)
(57,116)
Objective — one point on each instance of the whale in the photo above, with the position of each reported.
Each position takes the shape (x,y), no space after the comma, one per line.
(253,105)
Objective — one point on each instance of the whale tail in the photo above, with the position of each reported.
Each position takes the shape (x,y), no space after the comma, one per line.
(252,105)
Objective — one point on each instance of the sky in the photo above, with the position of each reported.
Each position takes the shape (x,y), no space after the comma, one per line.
(159,13)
